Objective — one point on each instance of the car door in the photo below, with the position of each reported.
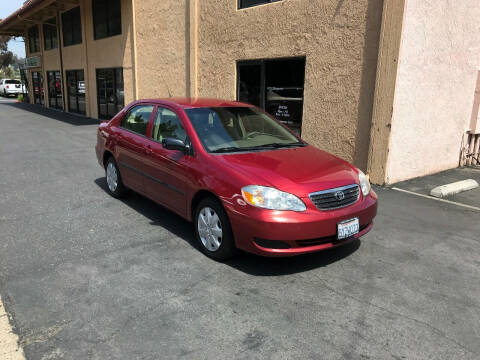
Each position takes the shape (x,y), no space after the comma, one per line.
(130,139)
(167,170)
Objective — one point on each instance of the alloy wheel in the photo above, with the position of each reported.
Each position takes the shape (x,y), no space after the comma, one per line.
(209,229)
(112,177)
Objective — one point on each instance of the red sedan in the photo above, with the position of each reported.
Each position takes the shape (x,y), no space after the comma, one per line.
(245,180)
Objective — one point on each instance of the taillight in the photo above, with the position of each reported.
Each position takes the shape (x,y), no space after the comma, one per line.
(8,87)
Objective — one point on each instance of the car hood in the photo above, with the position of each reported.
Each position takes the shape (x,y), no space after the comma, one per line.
(300,171)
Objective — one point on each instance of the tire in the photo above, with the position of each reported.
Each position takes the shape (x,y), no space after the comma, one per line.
(213,230)
(5,93)
(115,185)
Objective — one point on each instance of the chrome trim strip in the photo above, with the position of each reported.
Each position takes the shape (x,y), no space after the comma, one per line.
(171,187)
(332,191)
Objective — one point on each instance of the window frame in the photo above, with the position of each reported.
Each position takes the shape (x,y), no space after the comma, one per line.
(107,19)
(52,34)
(69,25)
(128,112)
(35,39)
(264,2)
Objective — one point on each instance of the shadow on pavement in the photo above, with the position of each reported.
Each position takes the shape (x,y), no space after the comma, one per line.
(68,118)
(248,263)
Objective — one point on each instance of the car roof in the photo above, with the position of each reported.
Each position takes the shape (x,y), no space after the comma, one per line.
(191,103)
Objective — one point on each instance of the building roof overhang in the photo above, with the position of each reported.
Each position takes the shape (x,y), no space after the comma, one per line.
(33,12)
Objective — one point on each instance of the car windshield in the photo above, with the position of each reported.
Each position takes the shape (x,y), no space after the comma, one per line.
(12,82)
(236,129)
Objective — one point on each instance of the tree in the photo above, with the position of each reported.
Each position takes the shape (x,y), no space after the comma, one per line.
(6,57)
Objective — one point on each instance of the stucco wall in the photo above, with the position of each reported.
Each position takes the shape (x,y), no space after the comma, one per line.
(162,31)
(340,41)
(437,74)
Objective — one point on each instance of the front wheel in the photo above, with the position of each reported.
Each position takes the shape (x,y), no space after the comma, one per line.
(213,230)
(114,181)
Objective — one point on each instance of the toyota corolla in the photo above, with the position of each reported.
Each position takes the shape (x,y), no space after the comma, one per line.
(245,181)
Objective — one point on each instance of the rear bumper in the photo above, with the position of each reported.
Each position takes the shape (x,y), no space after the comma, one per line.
(13,91)
(288,233)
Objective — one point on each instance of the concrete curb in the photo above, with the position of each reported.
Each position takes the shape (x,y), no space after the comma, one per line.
(9,348)
(454,188)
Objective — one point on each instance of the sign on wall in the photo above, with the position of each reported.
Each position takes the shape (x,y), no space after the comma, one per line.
(33,62)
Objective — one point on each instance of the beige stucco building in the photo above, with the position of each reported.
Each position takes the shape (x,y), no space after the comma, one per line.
(386,84)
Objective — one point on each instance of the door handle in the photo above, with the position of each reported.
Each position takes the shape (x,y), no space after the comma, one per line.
(148,150)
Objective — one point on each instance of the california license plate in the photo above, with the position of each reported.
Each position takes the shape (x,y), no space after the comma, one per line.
(347,228)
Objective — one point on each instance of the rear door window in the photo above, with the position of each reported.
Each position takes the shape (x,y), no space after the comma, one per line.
(137,119)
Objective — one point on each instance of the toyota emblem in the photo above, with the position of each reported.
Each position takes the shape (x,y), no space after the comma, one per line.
(340,195)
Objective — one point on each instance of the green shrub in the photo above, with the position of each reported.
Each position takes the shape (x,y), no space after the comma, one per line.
(20,98)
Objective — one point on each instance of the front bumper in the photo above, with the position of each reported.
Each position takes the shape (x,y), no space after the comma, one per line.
(288,233)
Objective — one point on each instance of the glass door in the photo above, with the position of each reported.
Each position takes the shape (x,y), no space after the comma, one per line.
(76,91)
(276,85)
(54,82)
(109,92)
(37,83)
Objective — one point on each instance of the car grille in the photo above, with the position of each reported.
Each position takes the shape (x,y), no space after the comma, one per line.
(335,198)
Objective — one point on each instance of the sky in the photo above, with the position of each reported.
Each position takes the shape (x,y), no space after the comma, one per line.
(7,7)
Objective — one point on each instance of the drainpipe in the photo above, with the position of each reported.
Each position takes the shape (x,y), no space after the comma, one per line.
(134,47)
(60,43)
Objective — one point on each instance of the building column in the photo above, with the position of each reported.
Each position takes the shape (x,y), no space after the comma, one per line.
(388,55)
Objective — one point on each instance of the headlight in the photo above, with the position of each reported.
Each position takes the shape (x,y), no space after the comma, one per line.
(364,183)
(272,199)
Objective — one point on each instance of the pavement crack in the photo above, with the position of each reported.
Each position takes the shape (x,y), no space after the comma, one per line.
(436,330)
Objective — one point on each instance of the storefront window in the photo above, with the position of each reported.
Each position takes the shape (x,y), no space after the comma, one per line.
(276,86)
(37,84)
(107,18)
(72,27)
(33,39)
(249,3)
(76,91)
(54,82)
(50,34)
(110,92)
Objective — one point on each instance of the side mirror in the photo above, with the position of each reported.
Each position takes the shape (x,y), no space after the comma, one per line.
(174,144)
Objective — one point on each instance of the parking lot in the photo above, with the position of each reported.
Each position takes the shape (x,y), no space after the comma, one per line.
(86,276)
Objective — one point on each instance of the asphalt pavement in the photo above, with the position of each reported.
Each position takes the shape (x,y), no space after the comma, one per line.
(86,276)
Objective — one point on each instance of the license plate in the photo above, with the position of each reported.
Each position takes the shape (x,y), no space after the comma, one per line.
(347,228)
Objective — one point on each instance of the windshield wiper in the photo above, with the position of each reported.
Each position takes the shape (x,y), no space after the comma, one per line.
(233,149)
(282,145)
(230,149)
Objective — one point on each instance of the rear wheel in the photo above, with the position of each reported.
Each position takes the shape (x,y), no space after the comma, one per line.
(114,181)
(213,230)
